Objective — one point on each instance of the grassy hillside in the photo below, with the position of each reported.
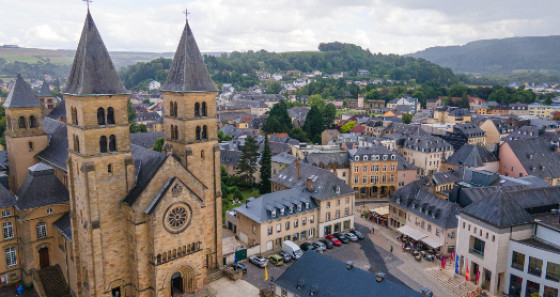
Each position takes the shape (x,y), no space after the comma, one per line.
(510,56)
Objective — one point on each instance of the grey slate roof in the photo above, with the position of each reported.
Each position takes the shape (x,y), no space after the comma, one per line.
(93,72)
(499,210)
(21,95)
(330,277)
(427,144)
(403,164)
(146,139)
(538,157)
(370,151)
(472,156)
(40,188)
(63,224)
(325,183)
(469,129)
(45,91)
(56,151)
(230,157)
(422,203)
(261,209)
(299,113)
(59,112)
(188,72)
(146,163)
(283,158)
(6,197)
(316,159)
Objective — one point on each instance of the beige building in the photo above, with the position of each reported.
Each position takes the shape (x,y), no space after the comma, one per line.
(373,171)
(543,111)
(426,152)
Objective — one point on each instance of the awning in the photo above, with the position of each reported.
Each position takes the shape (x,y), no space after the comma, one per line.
(431,242)
(381,211)
(408,231)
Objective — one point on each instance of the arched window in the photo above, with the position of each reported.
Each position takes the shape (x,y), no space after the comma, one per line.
(176,131)
(203,109)
(204,133)
(9,123)
(197,132)
(103,144)
(76,143)
(171,108)
(21,123)
(197,109)
(202,154)
(101,116)
(32,122)
(175,109)
(41,230)
(110,116)
(112,143)
(74,115)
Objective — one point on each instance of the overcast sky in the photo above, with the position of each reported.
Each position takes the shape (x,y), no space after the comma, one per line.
(387,26)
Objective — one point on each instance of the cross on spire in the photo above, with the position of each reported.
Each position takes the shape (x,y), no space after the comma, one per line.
(87,3)
(186,13)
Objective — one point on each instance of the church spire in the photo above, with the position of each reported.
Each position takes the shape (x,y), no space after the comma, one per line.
(45,90)
(21,95)
(93,72)
(188,72)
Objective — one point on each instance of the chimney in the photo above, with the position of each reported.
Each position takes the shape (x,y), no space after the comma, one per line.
(309,182)
(297,168)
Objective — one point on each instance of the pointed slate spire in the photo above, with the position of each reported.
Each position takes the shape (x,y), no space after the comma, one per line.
(45,91)
(188,72)
(21,95)
(93,72)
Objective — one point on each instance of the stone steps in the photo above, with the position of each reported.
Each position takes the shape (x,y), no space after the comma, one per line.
(214,275)
(457,284)
(53,282)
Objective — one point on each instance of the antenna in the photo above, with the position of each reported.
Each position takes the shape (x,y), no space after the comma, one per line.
(87,3)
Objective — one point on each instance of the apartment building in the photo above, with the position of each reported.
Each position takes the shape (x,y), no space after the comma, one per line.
(426,152)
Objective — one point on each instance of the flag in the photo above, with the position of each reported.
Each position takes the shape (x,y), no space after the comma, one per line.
(265,273)
(235,257)
(467,273)
(477,276)
(457,265)
(443,262)
(452,256)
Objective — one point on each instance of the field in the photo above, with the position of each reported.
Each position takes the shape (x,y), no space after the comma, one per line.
(227,203)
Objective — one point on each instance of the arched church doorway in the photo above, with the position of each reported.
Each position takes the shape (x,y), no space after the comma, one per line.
(44,257)
(176,284)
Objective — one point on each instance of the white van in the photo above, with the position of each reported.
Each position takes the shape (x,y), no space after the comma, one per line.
(291,248)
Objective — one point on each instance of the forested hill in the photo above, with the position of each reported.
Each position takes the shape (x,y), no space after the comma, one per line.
(508,56)
(241,68)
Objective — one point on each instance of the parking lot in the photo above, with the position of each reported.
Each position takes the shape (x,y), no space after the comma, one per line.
(363,253)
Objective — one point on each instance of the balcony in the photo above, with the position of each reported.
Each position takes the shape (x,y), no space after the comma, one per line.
(476,252)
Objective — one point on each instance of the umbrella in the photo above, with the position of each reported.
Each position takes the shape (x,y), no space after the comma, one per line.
(467,273)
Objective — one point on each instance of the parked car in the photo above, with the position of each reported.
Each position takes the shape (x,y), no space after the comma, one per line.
(287,257)
(319,246)
(334,240)
(358,234)
(351,236)
(259,261)
(291,248)
(307,246)
(276,259)
(342,238)
(327,243)
(239,266)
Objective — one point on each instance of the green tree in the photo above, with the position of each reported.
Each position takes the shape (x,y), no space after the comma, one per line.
(273,88)
(314,123)
(266,167)
(316,100)
(299,134)
(248,161)
(346,127)
(237,195)
(329,115)
(158,146)
(278,120)
(407,118)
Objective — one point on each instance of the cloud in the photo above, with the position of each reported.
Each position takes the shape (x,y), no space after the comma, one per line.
(389,26)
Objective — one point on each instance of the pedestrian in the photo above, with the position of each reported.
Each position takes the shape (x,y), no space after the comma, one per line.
(372,230)
(391,249)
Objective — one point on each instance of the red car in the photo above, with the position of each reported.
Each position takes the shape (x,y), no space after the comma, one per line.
(334,240)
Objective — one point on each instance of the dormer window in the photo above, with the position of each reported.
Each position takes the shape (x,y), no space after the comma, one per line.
(299,207)
(291,209)
(306,205)
(356,158)
(273,213)
(393,157)
(337,189)
(281,211)
(365,158)
(384,157)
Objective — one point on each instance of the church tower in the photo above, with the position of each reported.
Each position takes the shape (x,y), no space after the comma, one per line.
(100,168)
(190,118)
(46,98)
(25,136)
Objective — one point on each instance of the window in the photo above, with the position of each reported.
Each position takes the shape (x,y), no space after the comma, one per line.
(311,219)
(103,144)
(110,116)
(328,216)
(204,132)
(384,168)
(535,266)
(6,213)
(76,143)
(393,167)
(384,179)
(197,109)
(197,133)
(338,202)
(8,229)
(41,230)
(364,179)
(49,210)
(392,178)
(299,207)
(429,228)
(476,246)
(328,204)
(255,229)
(355,179)
(11,256)
(550,292)
(347,200)
(273,213)
(365,159)
(337,214)
(278,227)
(74,115)
(295,223)
(101,116)
(203,110)
(356,169)
(21,122)
(553,271)
(365,168)
(32,122)
(109,168)
(112,143)
(303,221)
(311,232)
(347,211)
(303,235)
(287,226)
(269,230)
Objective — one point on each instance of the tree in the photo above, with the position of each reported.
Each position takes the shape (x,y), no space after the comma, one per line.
(329,115)
(299,134)
(316,100)
(273,88)
(278,120)
(407,118)
(266,167)
(346,127)
(248,161)
(314,123)
(158,146)
(237,195)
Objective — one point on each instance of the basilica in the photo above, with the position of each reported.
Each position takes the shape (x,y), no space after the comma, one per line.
(87,213)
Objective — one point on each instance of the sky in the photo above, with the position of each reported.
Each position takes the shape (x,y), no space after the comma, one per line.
(386,26)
